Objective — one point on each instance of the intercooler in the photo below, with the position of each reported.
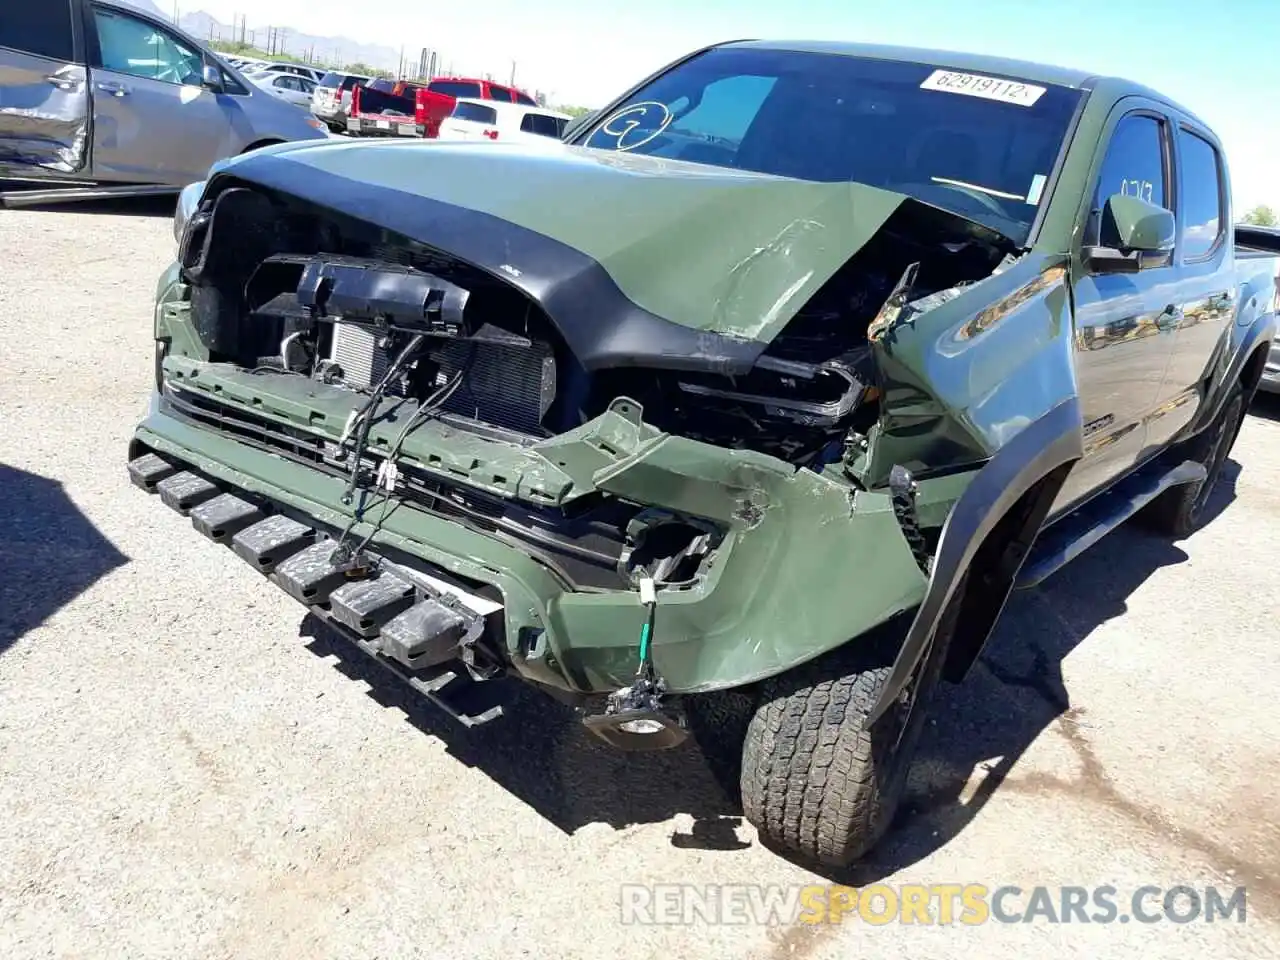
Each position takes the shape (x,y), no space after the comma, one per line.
(508,385)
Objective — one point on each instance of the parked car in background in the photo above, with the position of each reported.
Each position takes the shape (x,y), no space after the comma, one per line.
(288,87)
(437,99)
(96,92)
(491,120)
(295,69)
(331,100)
(384,108)
(1252,237)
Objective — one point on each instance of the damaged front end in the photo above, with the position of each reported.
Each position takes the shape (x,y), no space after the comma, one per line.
(637,506)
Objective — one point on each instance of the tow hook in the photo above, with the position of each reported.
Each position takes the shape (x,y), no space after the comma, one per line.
(635,717)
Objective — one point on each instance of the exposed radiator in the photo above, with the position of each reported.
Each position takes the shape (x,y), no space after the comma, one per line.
(356,351)
(510,386)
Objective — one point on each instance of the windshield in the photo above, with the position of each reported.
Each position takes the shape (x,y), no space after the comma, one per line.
(980,146)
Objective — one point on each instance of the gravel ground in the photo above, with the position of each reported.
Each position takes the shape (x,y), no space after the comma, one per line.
(183,775)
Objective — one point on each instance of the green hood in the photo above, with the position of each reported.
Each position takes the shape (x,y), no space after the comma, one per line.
(709,248)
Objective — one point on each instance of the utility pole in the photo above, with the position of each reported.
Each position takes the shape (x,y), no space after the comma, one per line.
(175,11)
(281,34)
(513,74)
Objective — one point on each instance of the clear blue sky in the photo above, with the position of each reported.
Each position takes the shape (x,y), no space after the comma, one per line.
(1218,58)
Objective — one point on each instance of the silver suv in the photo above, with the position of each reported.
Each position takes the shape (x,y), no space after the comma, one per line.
(97,91)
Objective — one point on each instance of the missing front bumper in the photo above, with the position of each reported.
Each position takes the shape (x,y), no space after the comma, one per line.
(423,629)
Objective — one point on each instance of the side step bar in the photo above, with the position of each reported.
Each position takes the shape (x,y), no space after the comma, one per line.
(13,199)
(1075,533)
(418,632)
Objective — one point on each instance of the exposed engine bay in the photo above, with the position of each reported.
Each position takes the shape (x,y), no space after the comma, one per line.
(283,287)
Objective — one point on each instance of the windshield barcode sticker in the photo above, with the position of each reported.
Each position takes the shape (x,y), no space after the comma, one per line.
(989,88)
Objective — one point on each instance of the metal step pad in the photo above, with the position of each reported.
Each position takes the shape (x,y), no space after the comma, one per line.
(272,540)
(308,576)
(426,635)
(185,490)
(366,605)
(148,470)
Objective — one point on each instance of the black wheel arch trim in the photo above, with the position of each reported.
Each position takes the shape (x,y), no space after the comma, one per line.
(1043,450)
(1259,335)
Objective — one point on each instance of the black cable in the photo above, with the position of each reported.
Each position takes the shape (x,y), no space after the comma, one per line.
(365,417)
(342,554)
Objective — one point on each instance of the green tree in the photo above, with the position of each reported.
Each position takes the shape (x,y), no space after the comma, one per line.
(1262,216)
(367,71)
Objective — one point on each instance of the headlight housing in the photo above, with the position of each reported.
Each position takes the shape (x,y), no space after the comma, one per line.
(188,202)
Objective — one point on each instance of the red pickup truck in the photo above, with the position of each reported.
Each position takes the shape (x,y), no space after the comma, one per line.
(407,109)
(384,108)
(438,99)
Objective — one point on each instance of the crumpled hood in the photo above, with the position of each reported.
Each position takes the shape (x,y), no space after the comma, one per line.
(712,249)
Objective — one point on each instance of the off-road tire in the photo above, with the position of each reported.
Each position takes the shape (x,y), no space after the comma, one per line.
(815,784)
(1179,512)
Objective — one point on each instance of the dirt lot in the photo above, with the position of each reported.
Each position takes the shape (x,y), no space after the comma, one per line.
(183,775)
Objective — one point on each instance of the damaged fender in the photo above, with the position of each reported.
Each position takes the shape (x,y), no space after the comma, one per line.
(1054,440)
(987,377)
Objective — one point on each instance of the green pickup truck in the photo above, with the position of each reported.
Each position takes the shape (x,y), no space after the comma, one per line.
(737,415)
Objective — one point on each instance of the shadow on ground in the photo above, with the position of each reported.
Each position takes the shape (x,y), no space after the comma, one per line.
(540,753)
(1266,406)
(1017,690)
(50,553)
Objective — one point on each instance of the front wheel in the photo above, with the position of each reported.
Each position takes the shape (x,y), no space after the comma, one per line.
(817,785)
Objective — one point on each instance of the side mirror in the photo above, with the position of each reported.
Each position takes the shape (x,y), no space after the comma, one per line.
(1134,234)
(211,78)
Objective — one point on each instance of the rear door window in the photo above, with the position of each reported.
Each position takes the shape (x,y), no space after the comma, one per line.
(140,49)
(524,98)
(542,124)
(476,112)
(1200,186)
(42,29)
(500,93)
(455,88)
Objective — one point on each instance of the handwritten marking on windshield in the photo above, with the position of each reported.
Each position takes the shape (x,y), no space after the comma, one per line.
(980,189)
(628,119)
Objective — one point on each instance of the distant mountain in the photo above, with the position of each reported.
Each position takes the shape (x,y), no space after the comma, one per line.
(207,27)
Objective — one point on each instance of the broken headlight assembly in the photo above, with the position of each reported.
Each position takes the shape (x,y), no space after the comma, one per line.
(797,411)
(188,203)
